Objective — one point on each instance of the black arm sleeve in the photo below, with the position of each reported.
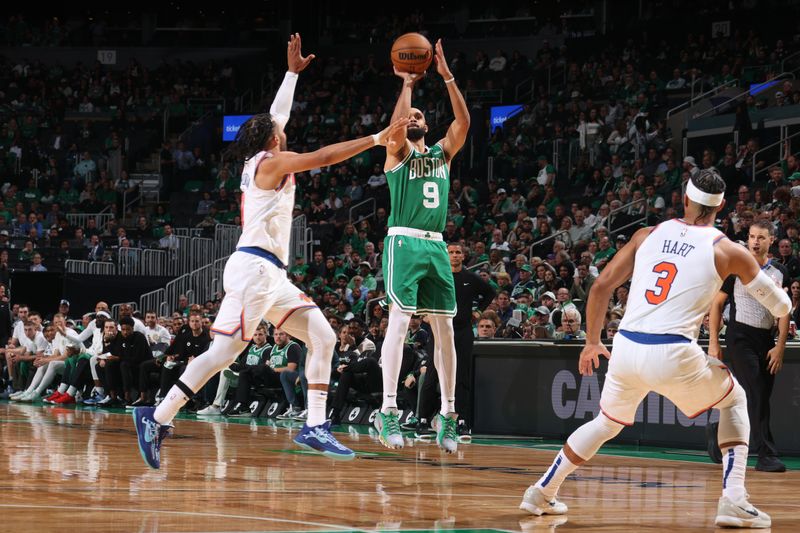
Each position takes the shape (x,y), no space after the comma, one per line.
(727,285)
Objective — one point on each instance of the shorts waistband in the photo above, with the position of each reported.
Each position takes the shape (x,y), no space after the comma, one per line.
(418,233)
(654,338)
(260,252)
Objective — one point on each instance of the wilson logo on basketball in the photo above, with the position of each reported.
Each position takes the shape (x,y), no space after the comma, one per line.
(412,56)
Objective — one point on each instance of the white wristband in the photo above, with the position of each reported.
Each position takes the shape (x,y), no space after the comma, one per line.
(375,139)
(451,80)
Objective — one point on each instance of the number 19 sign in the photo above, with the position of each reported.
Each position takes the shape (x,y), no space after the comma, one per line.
(107,57)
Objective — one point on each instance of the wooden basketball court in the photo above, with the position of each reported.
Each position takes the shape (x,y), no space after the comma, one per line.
(68,469)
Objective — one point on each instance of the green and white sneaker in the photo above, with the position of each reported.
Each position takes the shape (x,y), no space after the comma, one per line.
(388,426)
(446,431)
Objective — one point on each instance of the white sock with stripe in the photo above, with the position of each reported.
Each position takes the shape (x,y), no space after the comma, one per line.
(552,479)
(734,462)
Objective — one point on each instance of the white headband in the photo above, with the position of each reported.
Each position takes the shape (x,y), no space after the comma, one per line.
(703,198)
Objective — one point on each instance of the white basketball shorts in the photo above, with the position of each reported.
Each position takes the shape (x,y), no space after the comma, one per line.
(255,289)
(682,373)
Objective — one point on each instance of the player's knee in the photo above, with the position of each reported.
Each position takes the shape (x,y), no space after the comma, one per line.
(226,349)
(608,428)
(736,398)
(325,339)
(588,438)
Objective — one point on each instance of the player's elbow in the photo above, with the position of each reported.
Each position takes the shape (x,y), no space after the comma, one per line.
(783,307)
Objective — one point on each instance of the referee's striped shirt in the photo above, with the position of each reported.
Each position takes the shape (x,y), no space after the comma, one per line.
(744,309)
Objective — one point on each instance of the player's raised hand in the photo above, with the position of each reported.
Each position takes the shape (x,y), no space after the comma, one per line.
(441,62)
(294,55)
(590,358)
(409,78)
(388,137)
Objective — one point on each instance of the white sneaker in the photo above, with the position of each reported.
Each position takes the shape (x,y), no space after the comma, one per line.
(29,396)
(740,514)
(104,401)
(17,395)
(535,503)
(302,415)
(290,413)
(210,410)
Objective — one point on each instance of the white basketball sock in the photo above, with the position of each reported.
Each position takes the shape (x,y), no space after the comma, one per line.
(317,400)
(734,462)
(444,357)
(63,388)
(552,479)
(392,355)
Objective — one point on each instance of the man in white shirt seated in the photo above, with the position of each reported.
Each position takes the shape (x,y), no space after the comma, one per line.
(158,337)
(32,345)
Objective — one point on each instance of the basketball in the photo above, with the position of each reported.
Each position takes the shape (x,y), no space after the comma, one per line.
(412,52)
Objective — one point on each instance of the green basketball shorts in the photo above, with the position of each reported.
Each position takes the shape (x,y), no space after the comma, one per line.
(417,274)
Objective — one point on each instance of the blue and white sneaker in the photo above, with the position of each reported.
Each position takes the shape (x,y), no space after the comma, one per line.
(95,397)
(150,434)
(320,439)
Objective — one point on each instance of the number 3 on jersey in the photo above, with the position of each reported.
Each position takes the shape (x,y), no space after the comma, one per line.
(431,193)
(666,275)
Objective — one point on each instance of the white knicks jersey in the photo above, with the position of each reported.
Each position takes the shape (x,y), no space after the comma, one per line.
(266,215)
(674,280)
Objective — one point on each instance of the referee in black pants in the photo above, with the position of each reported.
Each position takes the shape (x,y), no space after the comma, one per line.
(752,353)
(469,288)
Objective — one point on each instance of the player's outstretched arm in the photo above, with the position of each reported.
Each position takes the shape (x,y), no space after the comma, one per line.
(733,259)
(272,170)
(457,132)
(282,105)
(617,272)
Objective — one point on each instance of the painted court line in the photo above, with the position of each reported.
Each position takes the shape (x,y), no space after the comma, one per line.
(182,513)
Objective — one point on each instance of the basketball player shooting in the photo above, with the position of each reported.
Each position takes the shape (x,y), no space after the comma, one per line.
(677,268)
(416,264)
(255,282)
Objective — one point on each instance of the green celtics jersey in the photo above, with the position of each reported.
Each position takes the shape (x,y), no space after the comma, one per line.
(419,187)
(255,354)
(279,357)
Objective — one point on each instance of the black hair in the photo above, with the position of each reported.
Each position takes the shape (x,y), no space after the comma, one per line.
(126,321)
(708,181)
(251,137)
